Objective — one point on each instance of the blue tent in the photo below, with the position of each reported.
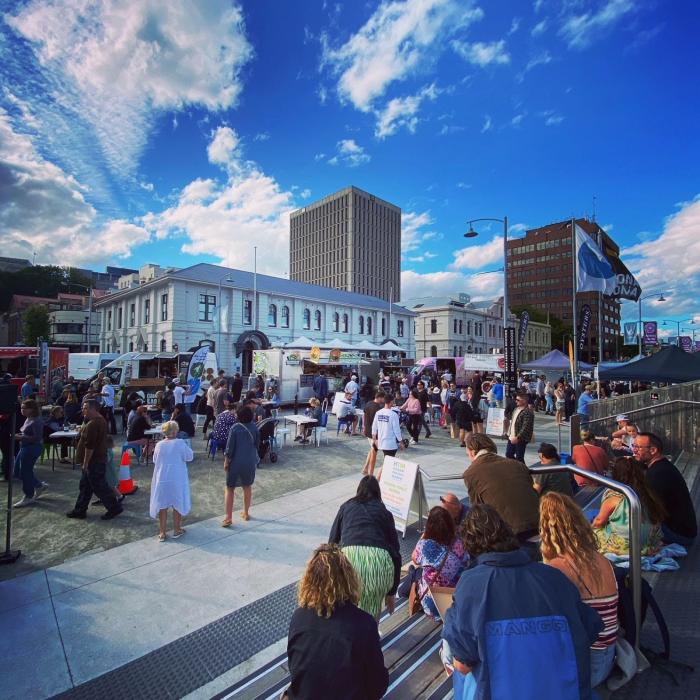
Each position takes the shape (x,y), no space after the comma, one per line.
(553,360)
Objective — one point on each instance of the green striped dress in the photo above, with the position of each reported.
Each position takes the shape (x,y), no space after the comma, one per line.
(375,570)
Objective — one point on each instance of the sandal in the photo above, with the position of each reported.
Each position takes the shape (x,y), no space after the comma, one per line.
(179,533)
(245,516)
(226,522)
(161,537)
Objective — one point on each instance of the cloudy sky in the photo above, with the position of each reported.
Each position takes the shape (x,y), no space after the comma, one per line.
(136,131)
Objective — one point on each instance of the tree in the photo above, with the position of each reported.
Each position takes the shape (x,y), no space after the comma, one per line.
(35,324)
(41,281)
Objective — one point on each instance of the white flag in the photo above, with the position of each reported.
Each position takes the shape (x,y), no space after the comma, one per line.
(594,273)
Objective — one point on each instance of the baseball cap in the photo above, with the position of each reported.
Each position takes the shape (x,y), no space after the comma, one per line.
(621,417)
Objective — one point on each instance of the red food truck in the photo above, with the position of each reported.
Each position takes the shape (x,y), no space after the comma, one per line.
(46,367)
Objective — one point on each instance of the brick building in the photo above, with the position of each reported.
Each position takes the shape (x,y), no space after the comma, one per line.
(540,275)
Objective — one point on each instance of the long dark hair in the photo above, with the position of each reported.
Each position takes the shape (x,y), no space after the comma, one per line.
(631,472)
(440,526)
(368,490)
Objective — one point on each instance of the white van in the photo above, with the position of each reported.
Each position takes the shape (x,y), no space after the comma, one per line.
(83,365)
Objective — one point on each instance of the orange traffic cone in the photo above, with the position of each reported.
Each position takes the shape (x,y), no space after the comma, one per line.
(126,483)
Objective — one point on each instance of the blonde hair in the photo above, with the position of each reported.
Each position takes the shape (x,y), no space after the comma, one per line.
(565,532)
(329,581)
(170,429)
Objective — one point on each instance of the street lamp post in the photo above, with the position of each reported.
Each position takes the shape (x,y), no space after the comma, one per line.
(649,296)
(678,327)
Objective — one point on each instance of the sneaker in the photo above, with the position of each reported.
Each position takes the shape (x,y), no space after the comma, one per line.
(427,435)
(76,514)
(24,502)
(413,442)
(112,513)
(40,489)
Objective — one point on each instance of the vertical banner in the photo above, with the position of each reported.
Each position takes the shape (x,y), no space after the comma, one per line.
(195,372)
(397,481)
(522,330)
(650,333)
(43,347)
(584,324)
(630,331)
(571,361)
(686,343)
(509,363)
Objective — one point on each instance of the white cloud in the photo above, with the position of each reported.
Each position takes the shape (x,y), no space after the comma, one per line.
(487,125)
(540,28)
(305,193)
(580,30)
(539,4)
(552,118)
(416,230)
(518,119)
(517,228)
(116,65)
(225,219)
(463,186)
(415,284)
(262,136)
(676,251)
(223,146)
(399,39)
(482,53)
(449,129)
(540,59)
(350,153)
(514,25)
(402,112)
(44,210)
(474,257)
(319,156)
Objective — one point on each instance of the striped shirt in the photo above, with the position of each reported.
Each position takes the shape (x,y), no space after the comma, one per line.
(606,607)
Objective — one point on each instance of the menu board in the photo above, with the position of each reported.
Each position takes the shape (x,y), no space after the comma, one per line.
(397,482)
(495,421)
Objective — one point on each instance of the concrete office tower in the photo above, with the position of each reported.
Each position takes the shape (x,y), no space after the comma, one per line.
(349,240)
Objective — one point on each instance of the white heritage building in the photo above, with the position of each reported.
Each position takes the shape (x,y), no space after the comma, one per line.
(236,312)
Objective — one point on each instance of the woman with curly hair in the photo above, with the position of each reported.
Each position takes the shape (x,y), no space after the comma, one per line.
(333,647)
(611,525)
(569,544)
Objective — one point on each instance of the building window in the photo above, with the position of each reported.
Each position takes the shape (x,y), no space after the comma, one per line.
(345,323)
(369,325)
(454,326)
(433,325)
(460,351)
(207,305)
(164,307)
(132,314)
(469,327)
(433,351)
(460,329)
(336,322)
(362,325)
(119,317)
(109,320)
(163,346)
(285,317)
(145,347)
(317,320)
(307,319)
(147,311)
(131,347)
(247,312)
(399,329)
(383,327)
(454,354)
(272,315)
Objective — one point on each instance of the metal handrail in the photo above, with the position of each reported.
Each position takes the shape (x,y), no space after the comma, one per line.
(635,527)
(645,408)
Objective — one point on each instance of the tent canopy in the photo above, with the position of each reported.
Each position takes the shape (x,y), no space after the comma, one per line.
(554,360)
(302,343)
(668,365)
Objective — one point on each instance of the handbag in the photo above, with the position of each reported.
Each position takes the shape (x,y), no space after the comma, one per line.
(414,598)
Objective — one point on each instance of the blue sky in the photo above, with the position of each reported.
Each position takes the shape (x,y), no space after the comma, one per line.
(180,132)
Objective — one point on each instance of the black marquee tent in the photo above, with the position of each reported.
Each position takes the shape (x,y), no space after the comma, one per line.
(668,365)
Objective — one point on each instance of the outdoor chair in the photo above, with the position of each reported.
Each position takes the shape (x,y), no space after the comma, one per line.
(321,430)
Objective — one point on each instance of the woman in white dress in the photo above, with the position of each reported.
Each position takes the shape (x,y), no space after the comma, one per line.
(170,487)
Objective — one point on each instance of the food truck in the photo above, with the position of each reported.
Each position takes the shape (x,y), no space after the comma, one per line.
(295,369)
(461,368)
(46,364)
(147,372)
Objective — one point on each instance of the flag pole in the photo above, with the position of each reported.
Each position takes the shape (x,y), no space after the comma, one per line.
(573,302)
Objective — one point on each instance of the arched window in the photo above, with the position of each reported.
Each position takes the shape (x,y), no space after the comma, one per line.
(383,327)
(131,347)
(362,325)
(285,317)
(307,319)
(336,322)
(345,323)
(369,325)
(433,351)
(317,320)
(163,346)
(454,326)
(272,315)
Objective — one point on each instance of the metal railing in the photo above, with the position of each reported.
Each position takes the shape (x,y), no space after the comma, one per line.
(635,525)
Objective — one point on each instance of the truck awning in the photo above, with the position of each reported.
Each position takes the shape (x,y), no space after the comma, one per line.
(340,363)
(166,356)
(145,356)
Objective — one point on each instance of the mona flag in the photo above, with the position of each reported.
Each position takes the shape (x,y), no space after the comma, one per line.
(626,285)
(594,273)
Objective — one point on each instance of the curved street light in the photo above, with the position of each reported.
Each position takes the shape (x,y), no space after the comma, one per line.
(661,297)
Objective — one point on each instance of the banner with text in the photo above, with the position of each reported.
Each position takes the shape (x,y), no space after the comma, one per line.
(522,329)
(630,331)
(651,336)
(686,343)
(586,314)
(397,481)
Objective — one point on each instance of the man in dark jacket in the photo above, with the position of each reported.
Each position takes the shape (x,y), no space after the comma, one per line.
(521,428)
(424,399)
(505,484)
(516,628)
(320,386)
(236,387)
